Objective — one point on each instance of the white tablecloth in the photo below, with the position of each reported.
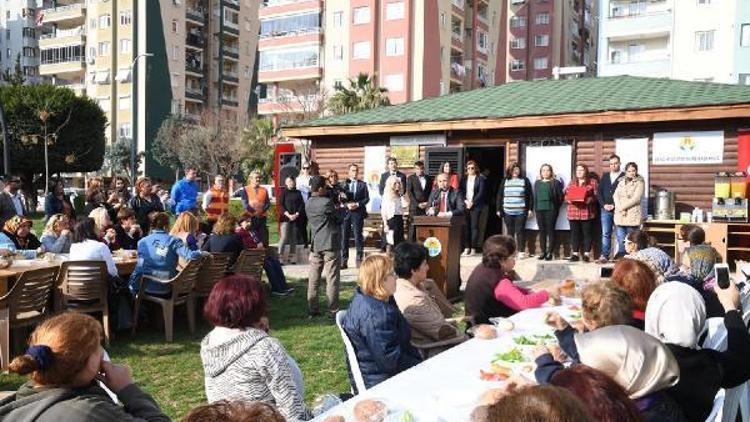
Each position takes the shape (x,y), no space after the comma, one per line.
(447,387)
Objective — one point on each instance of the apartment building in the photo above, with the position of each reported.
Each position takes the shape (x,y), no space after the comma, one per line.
(697,40)
(19,38)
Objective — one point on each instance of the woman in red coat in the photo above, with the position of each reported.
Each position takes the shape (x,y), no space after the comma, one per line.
(582,206)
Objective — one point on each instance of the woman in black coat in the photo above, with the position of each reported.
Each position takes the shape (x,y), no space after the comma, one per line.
(292,217)
(472,188)
(223,239)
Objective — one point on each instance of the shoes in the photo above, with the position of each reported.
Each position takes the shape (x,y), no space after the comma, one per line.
(285,293)
(586,258)
(289,290)
(574,258)
(521,255)
(466,252)
(314,314)
(602,260)
(548,257)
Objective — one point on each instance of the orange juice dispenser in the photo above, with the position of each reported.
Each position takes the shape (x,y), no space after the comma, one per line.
(730,197)
(738,185)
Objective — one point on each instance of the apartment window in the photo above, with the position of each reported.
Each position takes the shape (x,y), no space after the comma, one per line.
(394,47)
(175,26)
(518,43)
(361,50)
(704,40)
(615,56)
(482,74)
(92,52)
(289,58)
(92,23)
(517,65)
(125,45)
(482,41)
(105,21)
(175,52)
(540,63)
(7,52)
(176,107)
(745,35)
(541,40)
(338,52)
(123,102)
(104,48)
(542,19)
(125,130)
(394,83)
(29,52)
(102,77)
(293,24)
(175,79)
(744,79)
(635,52)
(443,20)
(394,11)
(442,54)
(338,84)
(517,21)
(361,15)
(126,17)
(338,19)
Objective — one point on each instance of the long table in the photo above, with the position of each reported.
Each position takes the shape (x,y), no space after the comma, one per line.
(447,387)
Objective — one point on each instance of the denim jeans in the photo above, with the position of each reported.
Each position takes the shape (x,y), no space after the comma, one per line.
(608,221)
(623,231)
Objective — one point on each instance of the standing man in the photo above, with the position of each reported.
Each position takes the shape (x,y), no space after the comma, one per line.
(216,201)
(392,164)
(185,192)
(325,222)
(605,195)
(357,197)
(7,204)
(418,188)
(257,201)
(445,201)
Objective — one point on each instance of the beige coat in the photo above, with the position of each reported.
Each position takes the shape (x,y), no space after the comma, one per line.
(425,309)
(628,201)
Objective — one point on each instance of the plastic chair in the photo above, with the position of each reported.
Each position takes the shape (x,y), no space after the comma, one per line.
(82,287)
(430,349)
(250,262)
(213,268)
(351,357)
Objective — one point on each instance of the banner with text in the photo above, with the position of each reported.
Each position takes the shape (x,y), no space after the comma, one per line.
(674,148)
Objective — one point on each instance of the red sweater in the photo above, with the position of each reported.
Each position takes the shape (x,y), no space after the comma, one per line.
(518,298)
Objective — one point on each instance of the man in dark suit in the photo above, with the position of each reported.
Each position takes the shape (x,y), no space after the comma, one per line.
(392,164)
(605,196)
(7,206)
(418,188)
(445,201)
(357,197)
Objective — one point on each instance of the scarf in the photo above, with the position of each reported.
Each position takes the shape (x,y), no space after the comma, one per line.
(702,261)
(658,261)
(675,314)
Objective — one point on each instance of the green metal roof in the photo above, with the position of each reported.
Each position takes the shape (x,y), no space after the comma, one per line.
(549,97)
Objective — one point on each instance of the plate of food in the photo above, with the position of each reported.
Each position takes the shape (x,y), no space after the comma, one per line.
(505,364)
(534,339)
(483,331)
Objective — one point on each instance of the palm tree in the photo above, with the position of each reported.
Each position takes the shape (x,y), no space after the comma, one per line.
(362,94)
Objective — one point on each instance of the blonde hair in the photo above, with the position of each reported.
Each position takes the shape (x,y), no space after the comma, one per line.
(605,304)
(372,274)
(53,222)
(388,194)
(186,222)
(100,215)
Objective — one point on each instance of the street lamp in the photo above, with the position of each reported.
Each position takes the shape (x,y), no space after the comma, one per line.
(134,134)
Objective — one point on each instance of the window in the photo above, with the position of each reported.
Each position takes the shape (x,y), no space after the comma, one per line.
(542,19)
(175,52)
(175,26)
(338,19)
(92,23)
(7,34)
(292,24)
(92,52)
(745,35)
(105,103)
(442,54)
(744,79)
(104,48)
(126,17)
(517,65)
(338,84)
(541,40)
(125,130)
(175,79)
(482,42)
(7,52)
(394,47)
(125,45)
(123,103)
(176,107)
(338,52)
(704,40)
(517,21)
(636,52)
(361,50)
(518,43)
(540,63)
(443,20)
(361,15)
(482,74)
(394,11)
(105,21)
(289,58)
(394,83)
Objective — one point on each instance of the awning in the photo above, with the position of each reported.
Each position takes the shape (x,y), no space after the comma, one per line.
(123,75)
(102,77)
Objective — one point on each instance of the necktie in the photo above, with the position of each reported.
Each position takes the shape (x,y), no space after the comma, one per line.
(443,202)
(353,187)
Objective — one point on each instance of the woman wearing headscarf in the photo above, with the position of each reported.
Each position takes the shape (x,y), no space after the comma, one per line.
(638,246)
(676,314)
(698,263)
(640,363)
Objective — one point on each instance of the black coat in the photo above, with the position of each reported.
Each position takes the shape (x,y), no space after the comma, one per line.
(455,201)
(479,189)
(415,192)
(606,190)
(124,240)
(224,243)
(361,195)
(143,208)
(292,202)
(384,177)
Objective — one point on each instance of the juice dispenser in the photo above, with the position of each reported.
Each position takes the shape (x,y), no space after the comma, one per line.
(738,184)
(722,185)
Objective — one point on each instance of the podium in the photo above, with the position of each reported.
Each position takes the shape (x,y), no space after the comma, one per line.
(442,238)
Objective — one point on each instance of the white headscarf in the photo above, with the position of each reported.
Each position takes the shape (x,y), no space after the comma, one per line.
(637,361)
(676,314)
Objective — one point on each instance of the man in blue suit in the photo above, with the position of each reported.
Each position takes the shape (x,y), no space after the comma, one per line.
(357,197)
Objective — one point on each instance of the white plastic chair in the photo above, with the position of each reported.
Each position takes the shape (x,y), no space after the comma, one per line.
(351,357)
(727,401)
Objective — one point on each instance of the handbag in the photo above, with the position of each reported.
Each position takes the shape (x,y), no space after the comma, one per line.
(577,193)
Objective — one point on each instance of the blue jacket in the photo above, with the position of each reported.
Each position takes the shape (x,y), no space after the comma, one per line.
(184,195)
(381,338)
(7,243)
(157,256)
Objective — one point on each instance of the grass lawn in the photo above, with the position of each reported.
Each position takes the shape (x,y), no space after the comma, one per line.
(173,373)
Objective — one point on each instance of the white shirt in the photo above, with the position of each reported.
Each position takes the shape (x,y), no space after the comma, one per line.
(423,182)
(470,187)
(613,176)
(303,185)
(92,250)
(390,208)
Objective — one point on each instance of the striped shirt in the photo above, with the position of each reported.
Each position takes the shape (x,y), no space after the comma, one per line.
(514,197)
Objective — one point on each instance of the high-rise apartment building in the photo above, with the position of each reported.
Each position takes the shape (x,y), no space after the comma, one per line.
(19,37)
(416,49)
(697,40)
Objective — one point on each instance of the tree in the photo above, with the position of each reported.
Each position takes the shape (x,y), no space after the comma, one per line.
(117,157)
(166,143)
(70,127)
(260,136)
(17,77)
(362,94)
(306,104)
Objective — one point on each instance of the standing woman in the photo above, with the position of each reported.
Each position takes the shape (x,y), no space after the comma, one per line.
(472,189)
(548,196)
(452,177)
(581,197)
(514,202)
(335,192)
(145,204)
(392,211)
(57,202)
(119,194)
(291,215)
(627,197)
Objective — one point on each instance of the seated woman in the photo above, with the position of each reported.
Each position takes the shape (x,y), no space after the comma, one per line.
(420,301)
(490,292)
(57,236)
(638,244)
(378,331)
(127,230)
(689,235)
(637,279)
(25,242)
(104,229)
(223,239)
(186,227)
(271,264)
(536,403)
(676,315)
(241,361)
(234,411)
(96,197)
(63,362)
(698,263)
(158,254)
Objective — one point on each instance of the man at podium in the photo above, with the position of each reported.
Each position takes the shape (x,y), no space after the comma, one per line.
(445,201)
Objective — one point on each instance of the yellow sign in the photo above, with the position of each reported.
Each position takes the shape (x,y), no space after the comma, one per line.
(405,154)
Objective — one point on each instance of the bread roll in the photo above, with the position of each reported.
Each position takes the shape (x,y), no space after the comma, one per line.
(485,332)
(370,411)
(334,418)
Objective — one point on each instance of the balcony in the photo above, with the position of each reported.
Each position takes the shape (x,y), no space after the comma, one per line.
(655,63)
(288,104)
(195,94)
(232,52)
(231,27)
(197,16)
(458,72)
(234,4)
(195,40)
(644,25)
(65,14)
(280,39)
(70,66)
(63,38)
(459,4)
(230,101)
(194,67)
(231,77)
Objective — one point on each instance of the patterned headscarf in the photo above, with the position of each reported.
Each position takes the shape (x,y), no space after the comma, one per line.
(660,263)
(702,261)
(12,225)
